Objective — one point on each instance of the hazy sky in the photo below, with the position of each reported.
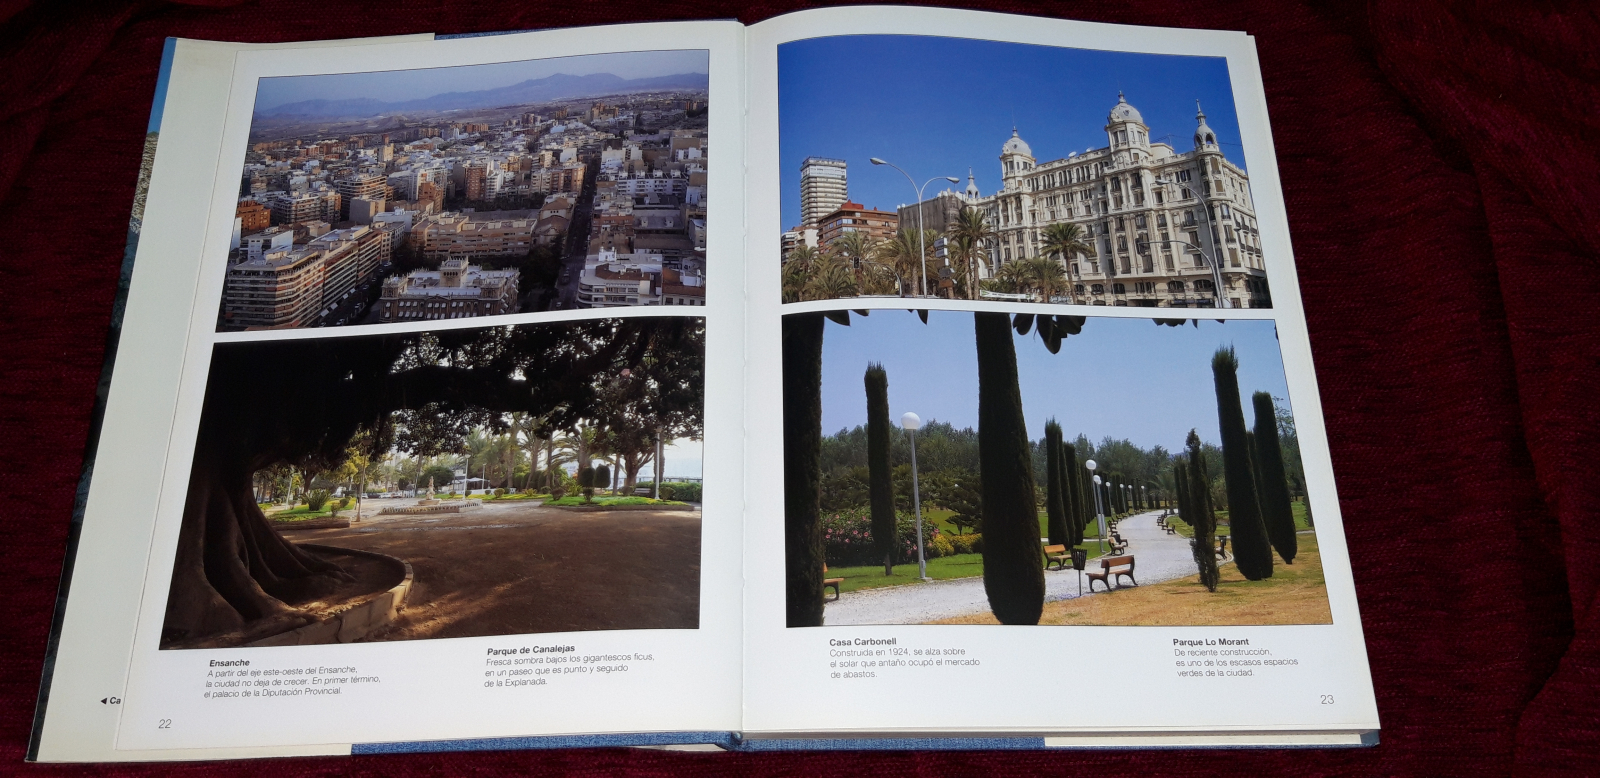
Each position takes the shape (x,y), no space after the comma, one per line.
(937,106)
(1127,378)
(397,85)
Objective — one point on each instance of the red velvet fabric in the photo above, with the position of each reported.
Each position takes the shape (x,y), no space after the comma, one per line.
(1443,186)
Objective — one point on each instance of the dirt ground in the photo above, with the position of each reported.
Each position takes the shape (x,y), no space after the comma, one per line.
(514,569)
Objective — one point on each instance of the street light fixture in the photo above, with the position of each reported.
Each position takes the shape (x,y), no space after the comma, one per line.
(911,423)
(922,243)
(1099,514)
(1216,259)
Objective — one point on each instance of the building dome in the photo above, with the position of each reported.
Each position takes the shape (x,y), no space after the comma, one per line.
(1122,112)
(1016,145)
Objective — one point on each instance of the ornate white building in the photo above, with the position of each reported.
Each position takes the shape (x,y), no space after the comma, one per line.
(1157,218)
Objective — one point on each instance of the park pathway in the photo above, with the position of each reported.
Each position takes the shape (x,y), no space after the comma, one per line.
(1160,557)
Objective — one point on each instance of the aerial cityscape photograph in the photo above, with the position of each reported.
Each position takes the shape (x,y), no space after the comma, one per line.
(460,192)
(1028,174)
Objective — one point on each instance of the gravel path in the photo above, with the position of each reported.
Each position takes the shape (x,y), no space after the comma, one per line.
(1160,557)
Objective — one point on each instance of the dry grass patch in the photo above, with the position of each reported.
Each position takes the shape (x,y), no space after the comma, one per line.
(1295,594)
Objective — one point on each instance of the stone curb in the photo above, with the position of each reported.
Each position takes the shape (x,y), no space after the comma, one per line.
(356,622)
(323,523)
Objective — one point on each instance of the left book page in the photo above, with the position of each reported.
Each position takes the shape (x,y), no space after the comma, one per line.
(424,428)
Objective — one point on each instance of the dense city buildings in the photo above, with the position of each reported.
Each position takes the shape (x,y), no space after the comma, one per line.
(1163,227)
(456,290)
(432,217)
(823,188)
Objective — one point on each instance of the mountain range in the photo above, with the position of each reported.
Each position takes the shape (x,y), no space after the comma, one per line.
(537,90)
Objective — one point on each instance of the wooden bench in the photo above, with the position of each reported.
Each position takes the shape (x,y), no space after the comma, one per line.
(1118,545)
(827,582)
(1222,547)
(1171,530)
(1057,555)
(1112,568)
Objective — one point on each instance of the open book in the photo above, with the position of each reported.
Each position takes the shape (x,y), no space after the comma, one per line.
(862,378)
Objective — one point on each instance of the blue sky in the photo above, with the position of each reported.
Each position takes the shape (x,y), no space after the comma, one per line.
(1127,378)
(395,85)
(936,106)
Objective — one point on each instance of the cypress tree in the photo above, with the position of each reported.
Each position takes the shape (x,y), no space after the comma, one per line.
(1074,493)
(880,484)
(1013,571)
(1251,551)
(1055,506)
(1204,521)
(802,468)
(1180,482)
(1276,510)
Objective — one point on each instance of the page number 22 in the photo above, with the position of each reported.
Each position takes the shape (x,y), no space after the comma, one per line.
(1327,699)
(164,724)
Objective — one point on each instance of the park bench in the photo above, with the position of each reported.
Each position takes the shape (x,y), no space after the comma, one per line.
(1057,555)
(1118,545)
(827,582)
(1111,568)
(1171,530)
(1222,547)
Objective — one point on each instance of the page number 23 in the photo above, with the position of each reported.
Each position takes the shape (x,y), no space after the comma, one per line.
(1327,699)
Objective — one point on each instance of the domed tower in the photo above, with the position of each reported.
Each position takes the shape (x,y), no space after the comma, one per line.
(1127,132)
(1204,138)
(972,187)
(1016,159)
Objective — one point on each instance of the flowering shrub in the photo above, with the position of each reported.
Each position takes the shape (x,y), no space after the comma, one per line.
(970,543)
(847,538)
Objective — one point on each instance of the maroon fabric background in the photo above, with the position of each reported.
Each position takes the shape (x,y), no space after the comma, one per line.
(1440,166)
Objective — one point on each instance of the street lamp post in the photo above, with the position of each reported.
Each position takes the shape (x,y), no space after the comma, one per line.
(1216,259)
(1099,514)
(911,422)
(922,243)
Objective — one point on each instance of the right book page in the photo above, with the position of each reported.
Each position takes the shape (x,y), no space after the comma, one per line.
(1052,457)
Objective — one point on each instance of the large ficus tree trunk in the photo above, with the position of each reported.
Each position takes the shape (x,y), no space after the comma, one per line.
(301,402)
(232,569)
(1013,572)
(802,468)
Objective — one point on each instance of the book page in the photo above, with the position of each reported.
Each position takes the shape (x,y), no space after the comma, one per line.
(1052,461)
(440,465)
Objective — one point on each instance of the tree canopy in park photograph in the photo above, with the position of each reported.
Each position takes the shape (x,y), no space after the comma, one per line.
(1125,438)
(313,404)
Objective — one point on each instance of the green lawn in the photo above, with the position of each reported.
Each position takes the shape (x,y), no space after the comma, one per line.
(303,513)
(578,500)
(941,519)
(1298,507)
(872,577)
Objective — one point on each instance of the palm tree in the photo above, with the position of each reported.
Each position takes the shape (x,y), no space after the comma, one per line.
(971,232)
(1065,242)
(1043,274)
(831,278)
(797,271)
(904,253)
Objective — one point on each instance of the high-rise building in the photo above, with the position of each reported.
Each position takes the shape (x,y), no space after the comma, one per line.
(823,188)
